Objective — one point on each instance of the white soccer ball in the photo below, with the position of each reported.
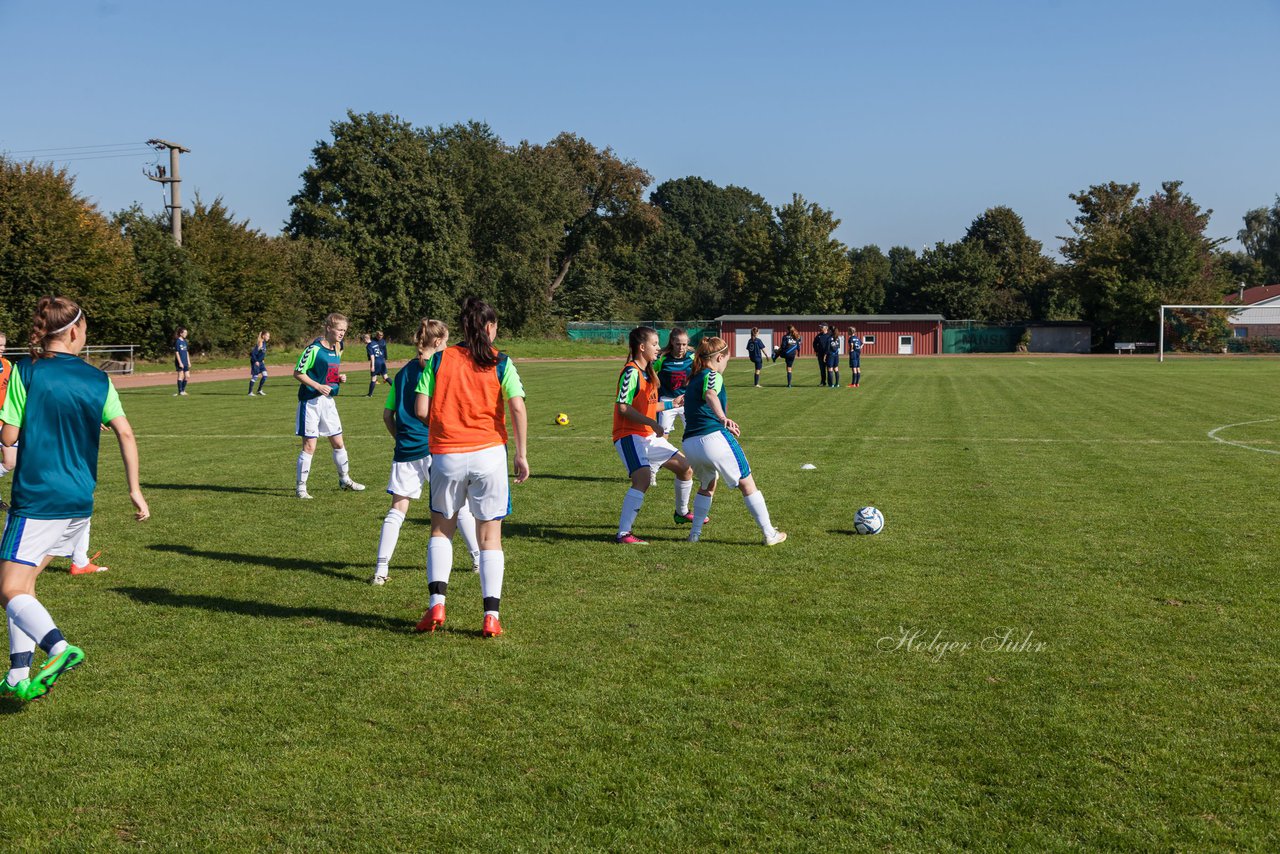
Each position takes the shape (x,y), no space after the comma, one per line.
(868,520)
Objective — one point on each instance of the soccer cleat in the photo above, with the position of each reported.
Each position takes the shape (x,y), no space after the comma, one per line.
(351,485)
(20,690)
(72,656)
(253,394)
(261,393)
(302,492)
(629,539)
(378,580)
(687,518)
(183,393)
(778,537)
(492,628)
(89,567)
(432,620)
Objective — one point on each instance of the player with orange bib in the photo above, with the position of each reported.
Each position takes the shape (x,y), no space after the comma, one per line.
(639,437)
(460,398)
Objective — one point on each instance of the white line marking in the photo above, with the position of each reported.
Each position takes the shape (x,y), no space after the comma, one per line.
(604,438)
(1213,434)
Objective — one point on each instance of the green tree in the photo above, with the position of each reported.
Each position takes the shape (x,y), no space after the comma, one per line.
(1021,267)
(870,276)
(53,241)
(1261,239)
(171,284)
(811,268)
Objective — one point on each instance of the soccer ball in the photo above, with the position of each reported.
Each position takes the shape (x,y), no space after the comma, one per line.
(562,419)
(868,520)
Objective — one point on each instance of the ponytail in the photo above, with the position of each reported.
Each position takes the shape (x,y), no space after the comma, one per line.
(476,315)
(429,332)
(52,318)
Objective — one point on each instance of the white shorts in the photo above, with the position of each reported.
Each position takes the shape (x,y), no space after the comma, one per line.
(716,455)
(318,417)
(408,478)
(637,452)
(476,478)
(667,417)
(30,541)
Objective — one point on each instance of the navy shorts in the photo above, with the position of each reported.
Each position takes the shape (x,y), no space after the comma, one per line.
(854,361)
(833,360)
(379,369)
(178,366)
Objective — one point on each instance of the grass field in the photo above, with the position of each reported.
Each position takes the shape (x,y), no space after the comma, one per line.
(246,689)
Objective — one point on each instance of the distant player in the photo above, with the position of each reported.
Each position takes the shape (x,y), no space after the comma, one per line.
(755,350)
(639,437)
(460,397)
(820,350)
(855,357)
(788,348)
(376,349)
(258,363)
(55,406)
(674,367)
(411,460)
(319,376)
(182,360)
(835,346)
(711,444)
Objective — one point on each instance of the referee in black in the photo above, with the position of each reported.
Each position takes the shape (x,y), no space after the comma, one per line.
(820,350)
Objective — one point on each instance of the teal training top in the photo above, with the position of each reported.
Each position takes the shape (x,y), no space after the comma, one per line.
(59,405)
(412,438)
(322,365)
(699,420)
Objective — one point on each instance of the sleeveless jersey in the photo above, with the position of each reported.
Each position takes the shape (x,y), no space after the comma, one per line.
(638,389)
(466,400)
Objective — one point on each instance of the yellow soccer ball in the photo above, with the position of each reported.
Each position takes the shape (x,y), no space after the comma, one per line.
(562,419)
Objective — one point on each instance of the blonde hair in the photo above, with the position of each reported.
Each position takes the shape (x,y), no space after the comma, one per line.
(429,332)
(708,348)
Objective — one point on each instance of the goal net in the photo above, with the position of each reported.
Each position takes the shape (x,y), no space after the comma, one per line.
(1186,329)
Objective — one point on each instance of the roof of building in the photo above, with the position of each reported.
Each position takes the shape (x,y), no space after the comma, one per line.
(1259,293)
(819,318)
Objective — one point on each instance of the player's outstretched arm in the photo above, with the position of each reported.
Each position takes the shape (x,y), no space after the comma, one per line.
(520,427)
(129,453)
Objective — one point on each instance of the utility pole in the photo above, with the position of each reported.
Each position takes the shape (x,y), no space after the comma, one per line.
(174,182)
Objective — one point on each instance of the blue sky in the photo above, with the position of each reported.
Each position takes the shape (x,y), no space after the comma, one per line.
(906,119)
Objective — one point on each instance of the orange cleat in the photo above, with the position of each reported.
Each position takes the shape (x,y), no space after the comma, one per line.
(89,567)
(432,620)
(492,628)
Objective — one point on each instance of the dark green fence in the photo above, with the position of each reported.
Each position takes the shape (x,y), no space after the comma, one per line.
(616,331)
(969,337)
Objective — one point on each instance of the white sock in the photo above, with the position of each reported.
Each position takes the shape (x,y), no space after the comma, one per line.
(684,488)
(467,526)
(21,648)
(80,551)
(340,460)
(439,565)
(492,568)
(631,505)
(26,612)
(759,512)
(304,468)
(701,509)
(388,539)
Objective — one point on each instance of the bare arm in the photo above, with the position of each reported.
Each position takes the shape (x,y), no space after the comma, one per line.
(310,383)
(630,413)
(129,453)
(8,436)
(520,426)
(389,419)
(422,407)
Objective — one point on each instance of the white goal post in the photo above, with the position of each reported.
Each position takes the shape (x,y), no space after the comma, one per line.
(1219,329)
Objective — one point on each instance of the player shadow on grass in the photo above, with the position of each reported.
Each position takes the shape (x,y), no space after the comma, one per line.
(333,570)
(557,476)
(249,608)
(219,487)
(587,534)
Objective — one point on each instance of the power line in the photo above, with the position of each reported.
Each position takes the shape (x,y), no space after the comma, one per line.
(77,147)
(95,157)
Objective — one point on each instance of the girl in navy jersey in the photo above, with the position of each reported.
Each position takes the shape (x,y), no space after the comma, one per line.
(182,360)
(855,357)
(411,460)
(834,345)
(755,349)
(711,443)
(54,410)
(788,348)
(258,363)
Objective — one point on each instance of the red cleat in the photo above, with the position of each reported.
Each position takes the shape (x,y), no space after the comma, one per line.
(89,567)
(629,539)
(492,628)
(432,620)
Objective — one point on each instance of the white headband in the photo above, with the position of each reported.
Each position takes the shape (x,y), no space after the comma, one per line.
(74,321)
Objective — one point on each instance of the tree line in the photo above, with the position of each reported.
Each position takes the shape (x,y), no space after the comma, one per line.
(392,222)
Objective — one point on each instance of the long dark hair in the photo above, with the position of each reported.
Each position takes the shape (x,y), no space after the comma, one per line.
(53,317)
(476,314)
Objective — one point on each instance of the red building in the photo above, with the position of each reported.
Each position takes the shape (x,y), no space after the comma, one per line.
(882,334)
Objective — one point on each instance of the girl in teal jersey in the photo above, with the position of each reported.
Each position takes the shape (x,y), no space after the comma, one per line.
(55,407)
